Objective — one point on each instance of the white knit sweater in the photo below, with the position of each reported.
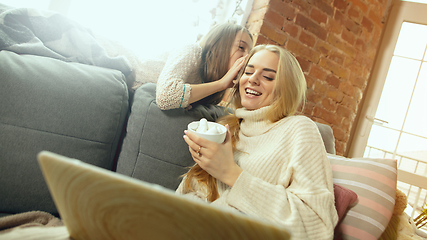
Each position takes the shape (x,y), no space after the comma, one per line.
(286,175)
(174,76)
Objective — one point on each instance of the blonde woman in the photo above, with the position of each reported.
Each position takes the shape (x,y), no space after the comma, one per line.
(273,162)
(200,73)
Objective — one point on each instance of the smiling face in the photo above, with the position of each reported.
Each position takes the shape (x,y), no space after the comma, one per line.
(256,86)
(241,46)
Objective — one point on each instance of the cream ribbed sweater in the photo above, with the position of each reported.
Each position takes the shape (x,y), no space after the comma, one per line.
(286,175)
(180,70)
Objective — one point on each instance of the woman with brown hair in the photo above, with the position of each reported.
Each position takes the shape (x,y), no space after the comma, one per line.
(200,73)
(273,163)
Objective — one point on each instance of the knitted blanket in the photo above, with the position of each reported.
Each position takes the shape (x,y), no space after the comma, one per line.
(50,34)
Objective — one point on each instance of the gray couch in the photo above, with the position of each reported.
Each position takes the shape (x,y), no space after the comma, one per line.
(85,112)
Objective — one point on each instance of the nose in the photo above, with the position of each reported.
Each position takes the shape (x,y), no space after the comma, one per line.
(253,79)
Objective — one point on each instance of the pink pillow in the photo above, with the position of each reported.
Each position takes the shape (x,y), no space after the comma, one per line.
(344,197)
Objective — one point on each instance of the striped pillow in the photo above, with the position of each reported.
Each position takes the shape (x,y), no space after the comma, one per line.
(374,182)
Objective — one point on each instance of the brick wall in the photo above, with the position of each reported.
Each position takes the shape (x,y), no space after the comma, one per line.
(335,42)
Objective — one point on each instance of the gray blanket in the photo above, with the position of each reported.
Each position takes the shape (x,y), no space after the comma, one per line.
(50,34)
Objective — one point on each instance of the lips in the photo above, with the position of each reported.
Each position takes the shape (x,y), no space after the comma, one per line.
(252,92)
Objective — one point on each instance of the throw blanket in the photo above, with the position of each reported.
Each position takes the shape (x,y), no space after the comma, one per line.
(29,219)
(50,34)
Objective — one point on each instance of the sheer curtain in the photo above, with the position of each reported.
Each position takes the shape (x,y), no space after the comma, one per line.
(150,28)
(147,27)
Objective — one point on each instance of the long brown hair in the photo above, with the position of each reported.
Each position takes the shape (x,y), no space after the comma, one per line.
(216,51)
(289,91)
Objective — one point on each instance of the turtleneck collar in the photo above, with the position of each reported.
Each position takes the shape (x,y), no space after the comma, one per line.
(254,122)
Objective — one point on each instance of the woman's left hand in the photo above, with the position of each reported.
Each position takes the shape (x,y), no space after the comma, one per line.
(216,159)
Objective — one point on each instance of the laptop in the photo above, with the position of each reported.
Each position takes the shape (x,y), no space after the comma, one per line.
(95,203)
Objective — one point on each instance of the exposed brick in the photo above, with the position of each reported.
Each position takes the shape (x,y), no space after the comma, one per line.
(308,108)
(360,5)
(366,23)
(375,18)
(333,81)
(310,81)
(357,80)
(276,20)
(325,7)
(318,16)
(344,112)
(291,29)
(329,105)
(323,47)
(349,102)
(303,51)
(340,147)
(356,68)
(286,10)
(333,26)
(339,134)
(311,26)
(336,57)
(376,37)
(348,37)
(315,97)
(358,94)
(305,65)
(341,5)
(335,94)
(307,39)
(273,34)
(326,115)
(347,88)
(334,68)
(346,125)
(362,60)
(360,45)
(354,14)
(302,5)
(320,87)
(347,23)
(262,40)
(317,72)
(345,47)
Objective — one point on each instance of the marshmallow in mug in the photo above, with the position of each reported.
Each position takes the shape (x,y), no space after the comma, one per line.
(211,131)
(204,127)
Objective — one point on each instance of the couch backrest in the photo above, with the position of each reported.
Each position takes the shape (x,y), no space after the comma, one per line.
(153,149)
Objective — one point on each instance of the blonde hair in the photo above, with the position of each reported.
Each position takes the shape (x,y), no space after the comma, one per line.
(216,51)
(289,93)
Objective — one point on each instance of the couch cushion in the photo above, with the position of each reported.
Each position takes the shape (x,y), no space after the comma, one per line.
(71,109)
(153,149)
(374,182)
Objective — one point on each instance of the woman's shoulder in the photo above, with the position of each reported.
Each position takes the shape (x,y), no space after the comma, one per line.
(298,121)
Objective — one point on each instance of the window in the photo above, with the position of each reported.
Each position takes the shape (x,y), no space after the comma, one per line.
(392,123)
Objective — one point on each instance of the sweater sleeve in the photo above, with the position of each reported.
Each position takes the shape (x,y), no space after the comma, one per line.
(302,199)
(173,86)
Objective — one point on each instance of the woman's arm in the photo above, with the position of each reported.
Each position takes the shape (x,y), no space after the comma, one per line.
(181,68)
(179,83)
(199,91)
